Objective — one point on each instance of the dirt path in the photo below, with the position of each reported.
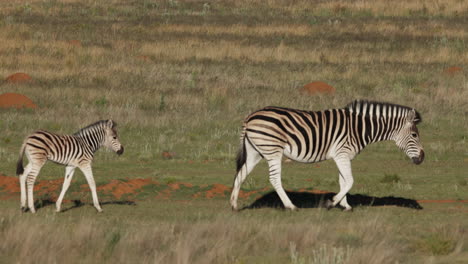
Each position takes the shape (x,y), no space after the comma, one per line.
(141,189)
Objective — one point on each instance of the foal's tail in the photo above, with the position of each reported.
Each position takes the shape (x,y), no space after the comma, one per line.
(19,164)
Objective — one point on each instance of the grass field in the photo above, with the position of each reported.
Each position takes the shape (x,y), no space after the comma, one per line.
(180,76)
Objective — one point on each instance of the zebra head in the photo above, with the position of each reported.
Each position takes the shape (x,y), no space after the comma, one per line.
(111,140)
(408,137)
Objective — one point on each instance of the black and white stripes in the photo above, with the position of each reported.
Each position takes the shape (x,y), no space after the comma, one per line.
(73,151)
(337,134)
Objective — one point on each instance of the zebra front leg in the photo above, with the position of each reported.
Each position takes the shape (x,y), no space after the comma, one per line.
(252,159)
(22,180)
(275,180)
(346,182)
(87,171)
(69,170)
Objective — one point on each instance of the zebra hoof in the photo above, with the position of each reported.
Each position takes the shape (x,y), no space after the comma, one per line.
(329,204)
(24,209)
(293,208)
(349,209)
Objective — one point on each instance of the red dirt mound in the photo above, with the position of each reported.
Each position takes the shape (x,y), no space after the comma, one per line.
(314,88)
(217,190)
(119,188)
(18,77)
(9,184)
(453,70)
(8,100)
(168,155)
(143,58)
(74,42)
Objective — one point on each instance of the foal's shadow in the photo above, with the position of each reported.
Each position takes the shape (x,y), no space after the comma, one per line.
(314,200)
(77,203)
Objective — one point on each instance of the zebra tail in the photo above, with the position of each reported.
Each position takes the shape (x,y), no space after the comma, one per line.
(19,164)
(242,154)
(241,157)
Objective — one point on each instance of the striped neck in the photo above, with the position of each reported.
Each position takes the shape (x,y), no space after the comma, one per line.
(93,135)
(376,121)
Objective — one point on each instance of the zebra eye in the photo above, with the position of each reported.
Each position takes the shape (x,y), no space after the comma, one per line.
(114,137)
(414,134)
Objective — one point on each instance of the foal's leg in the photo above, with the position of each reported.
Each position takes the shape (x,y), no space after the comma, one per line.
(22,180)
(30,180)
(87,171)
(69,170)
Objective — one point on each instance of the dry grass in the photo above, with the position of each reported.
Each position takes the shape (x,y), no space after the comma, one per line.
(179,76)
(222,239)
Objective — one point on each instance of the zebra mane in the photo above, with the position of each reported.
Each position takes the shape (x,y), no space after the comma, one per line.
(98,124)
(363,107)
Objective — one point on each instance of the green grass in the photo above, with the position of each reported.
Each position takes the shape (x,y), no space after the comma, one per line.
(180,76)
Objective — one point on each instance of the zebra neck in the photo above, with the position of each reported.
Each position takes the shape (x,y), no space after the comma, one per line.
(371,129)
(93,139)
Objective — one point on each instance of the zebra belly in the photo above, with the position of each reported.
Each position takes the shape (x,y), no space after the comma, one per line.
(304,158)
(63,161)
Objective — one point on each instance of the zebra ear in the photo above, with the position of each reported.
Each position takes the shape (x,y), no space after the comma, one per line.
(413,117)
(110,123)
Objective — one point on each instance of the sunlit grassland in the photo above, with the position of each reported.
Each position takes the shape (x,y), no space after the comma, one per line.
(180,76)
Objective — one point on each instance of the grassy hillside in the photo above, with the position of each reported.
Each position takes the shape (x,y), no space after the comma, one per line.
(180,76)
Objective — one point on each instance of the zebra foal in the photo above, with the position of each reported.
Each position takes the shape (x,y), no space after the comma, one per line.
(338,134)
(73,151)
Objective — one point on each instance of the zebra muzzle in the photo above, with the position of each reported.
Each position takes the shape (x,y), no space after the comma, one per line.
(419,160)
(120,151)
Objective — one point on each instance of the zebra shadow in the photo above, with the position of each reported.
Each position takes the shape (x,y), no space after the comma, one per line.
(314,200)
(77,203)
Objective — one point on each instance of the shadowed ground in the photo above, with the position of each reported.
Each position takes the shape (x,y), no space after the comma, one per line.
(315,200)
(76,204)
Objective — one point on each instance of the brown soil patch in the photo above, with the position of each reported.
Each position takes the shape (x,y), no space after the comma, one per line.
(243,194)
(119,188)
(315,88)
(9,188)
(176,185)
(168,155)
(217,190)
(143,58)
(18,77)
(75,43)
(9,185)
(14,100)
(453,70)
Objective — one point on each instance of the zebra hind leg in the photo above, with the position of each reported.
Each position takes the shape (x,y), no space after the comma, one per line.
(344,201)
(22,180)
(252,159)
(346,182)
(274,164)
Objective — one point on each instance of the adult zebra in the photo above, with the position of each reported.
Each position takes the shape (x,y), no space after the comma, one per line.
(337,134)
(73,151)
